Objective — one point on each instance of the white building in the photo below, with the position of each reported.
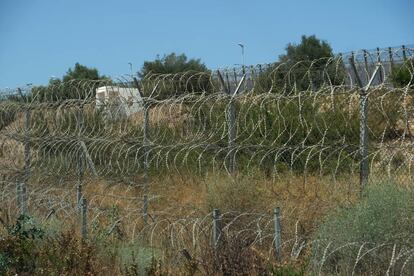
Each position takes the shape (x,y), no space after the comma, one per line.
(118,102)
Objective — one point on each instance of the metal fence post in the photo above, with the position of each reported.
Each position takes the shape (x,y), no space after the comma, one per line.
(146,145)
(231,117)
(404,53)
(146,153)
(22,189)
(363,127)
(145,208)
(235,75)
(366,64)
(79,162)
(84,218)
(79,194)
(364,165)
(381,75)
(352,82)
(391,60)
(231,123)
(216,228)
(244,74)
(363,130)
(278,234)
(18,195)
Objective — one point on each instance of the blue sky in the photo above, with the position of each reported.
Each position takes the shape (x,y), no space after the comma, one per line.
(43,38)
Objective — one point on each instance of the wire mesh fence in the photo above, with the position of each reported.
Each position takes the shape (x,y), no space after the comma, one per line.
(345,117)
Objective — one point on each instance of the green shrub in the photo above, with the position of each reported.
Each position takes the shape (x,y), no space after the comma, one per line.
(306,75)
(26,250)
(18,246)
(402,75)
(381,220)
(302,135)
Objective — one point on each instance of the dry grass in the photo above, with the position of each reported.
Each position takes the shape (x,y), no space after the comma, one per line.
(115,214)
(178,196)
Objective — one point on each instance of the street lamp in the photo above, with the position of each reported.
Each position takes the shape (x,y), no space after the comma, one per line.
(130,67)
(242,49)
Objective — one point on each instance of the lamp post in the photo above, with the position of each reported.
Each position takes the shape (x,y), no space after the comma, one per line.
(130,68)
(242,49)
(243,69)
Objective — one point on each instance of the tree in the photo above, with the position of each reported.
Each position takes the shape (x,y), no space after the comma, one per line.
(172,63)
(73,85)
(402,75)
(82,72)
(305,66)
(312,64)
(310,48)
(194,75)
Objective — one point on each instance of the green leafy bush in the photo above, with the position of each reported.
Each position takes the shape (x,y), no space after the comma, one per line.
(16,249)
(290,76)
(377,225)
(285,133)
(402,75)
(26,250)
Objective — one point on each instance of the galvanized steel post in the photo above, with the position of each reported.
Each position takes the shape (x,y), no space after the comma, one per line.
(216,228)
(278,234)
(84,218)
(80,160)
(363,128)
(146,155)
(23,184)
(381,75)
(363,109)
(391,60)
(404,53)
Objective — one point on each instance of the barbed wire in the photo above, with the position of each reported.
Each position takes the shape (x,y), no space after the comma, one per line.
(252,230)
(186,130)
(293,118)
